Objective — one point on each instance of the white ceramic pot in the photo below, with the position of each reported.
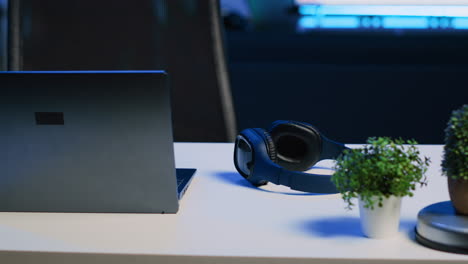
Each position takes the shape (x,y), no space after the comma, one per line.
(381,222)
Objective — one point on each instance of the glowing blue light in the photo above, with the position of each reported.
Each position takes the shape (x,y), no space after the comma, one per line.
(385,10)
(308,22)
(322,20)
(339,22)
(405,22)
(460,23)
(309,10)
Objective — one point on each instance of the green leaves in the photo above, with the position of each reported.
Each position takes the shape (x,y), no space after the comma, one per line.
(384,167)
(455,158)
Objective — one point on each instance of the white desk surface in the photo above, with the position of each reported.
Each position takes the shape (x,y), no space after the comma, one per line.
(224,220)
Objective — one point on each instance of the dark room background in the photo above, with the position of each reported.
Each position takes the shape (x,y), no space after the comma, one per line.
(352,81)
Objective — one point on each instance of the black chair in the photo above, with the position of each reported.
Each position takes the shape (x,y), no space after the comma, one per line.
(183,37)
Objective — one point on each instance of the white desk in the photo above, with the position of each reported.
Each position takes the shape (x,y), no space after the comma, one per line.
(223,220)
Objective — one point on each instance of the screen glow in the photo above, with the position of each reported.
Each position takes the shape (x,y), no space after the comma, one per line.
(391,14)
(382,10)
(382,2)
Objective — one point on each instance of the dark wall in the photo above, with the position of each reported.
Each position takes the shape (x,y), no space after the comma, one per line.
(351,84)
(91,35)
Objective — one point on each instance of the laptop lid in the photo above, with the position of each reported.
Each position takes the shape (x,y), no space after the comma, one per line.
(86,142)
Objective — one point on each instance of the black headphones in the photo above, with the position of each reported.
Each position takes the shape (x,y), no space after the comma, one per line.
(281,154)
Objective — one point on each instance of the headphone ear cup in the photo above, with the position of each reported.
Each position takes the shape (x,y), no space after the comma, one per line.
(270,144)
(298,145)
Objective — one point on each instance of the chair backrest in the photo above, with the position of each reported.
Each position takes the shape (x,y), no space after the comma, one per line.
(200,78)
(183,37)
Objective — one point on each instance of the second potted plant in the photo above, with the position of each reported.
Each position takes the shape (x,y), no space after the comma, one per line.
(455,159)
(379,175)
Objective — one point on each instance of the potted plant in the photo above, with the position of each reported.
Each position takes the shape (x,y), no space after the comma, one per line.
(379,175)
(455,159)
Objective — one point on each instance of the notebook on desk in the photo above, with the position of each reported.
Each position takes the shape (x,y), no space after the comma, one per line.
(88,142)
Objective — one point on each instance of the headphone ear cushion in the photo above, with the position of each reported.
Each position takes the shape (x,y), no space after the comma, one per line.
(298,145)
(270,144)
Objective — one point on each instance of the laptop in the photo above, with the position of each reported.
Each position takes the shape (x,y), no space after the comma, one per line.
(82,141)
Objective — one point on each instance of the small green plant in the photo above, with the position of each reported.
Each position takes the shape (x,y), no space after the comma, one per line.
(455,158)
(383,167)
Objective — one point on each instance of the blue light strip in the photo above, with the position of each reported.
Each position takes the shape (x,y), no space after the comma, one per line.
(385,10)
(385,22)
(309,22)
(460,23)
(405,22)
(340,22)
